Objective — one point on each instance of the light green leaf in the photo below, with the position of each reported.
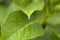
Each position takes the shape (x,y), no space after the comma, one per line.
(29,31)
(32,6)
(57,8)
(17,24)
(4,12)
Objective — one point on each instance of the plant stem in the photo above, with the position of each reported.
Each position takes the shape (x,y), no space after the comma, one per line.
(47,12)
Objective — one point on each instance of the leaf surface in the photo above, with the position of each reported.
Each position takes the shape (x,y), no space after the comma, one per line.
(32,5)
(17,26)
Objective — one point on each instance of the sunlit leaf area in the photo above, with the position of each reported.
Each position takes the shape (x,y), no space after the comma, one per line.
(29,19)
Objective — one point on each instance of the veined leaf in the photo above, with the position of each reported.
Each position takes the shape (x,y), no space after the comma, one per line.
(17,25)
(25,19)
(29,31)
(6,11)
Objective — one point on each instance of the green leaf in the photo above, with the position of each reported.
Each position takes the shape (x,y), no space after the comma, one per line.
(57,8)
(49,35)
(30,31)
(32,6)
(13,22)
(4,12)
(54,22)
(53,4)
(17,25)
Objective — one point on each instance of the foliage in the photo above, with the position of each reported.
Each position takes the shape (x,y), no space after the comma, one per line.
(29,19)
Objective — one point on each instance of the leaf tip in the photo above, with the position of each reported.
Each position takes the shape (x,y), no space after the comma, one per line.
(28,17)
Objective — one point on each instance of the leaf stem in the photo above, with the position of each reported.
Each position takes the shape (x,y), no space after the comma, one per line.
(47,12)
